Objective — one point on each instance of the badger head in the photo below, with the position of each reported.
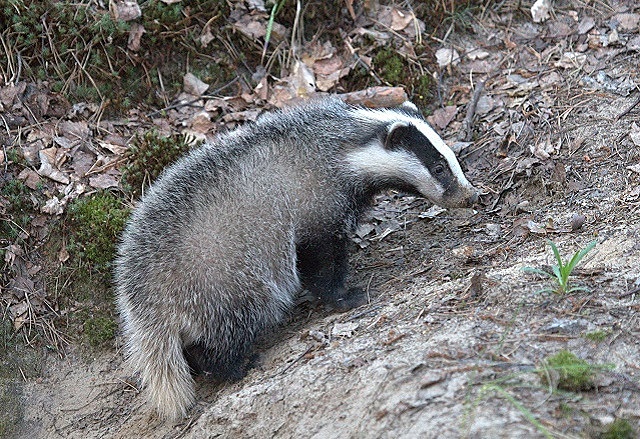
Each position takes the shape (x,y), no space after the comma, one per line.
(409,155)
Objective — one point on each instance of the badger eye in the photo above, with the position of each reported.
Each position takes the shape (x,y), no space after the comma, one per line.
(438,169)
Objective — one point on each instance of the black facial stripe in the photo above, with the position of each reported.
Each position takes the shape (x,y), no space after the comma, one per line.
(411,139)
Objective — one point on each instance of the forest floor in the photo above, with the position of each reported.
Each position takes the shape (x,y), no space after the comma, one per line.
(456,340)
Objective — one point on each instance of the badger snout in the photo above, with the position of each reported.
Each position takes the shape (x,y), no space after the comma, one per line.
(460,196)
(473,198)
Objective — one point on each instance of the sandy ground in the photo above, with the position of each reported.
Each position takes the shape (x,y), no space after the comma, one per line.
(453,341)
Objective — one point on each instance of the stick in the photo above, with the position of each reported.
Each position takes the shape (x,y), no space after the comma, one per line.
(628,110)
(466,132)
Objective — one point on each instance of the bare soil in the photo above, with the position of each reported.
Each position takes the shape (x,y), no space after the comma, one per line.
(454,339)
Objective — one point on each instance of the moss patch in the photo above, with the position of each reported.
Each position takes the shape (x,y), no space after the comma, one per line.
(100,330)
(597,336)
(83,51)
(618,429)
(94,224)
(573,373)
(148,156)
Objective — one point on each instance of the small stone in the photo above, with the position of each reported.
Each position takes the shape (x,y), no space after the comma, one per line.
(577,221)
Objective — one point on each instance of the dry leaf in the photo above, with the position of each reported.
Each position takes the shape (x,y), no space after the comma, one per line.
(628,21)
(570,60)
(400,19)
(634,134)
(542,150)
(47,158)
(30,178)
(206,36)
(443,116)
(540,10)
(201,122)
(325,83)
(432,212)
(585,25)
(53,206)
(63,254)
(256,4)
(344,329)
(376,97)
(125,10)
(464,252)
(103,181)
(193,85)
(135,35)
(253,26)
(474,54)
(446,56)
(302,79)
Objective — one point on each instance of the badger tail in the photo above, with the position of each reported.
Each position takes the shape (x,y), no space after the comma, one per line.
(164,371)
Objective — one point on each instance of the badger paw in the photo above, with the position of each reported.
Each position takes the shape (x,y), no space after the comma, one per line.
(354,298)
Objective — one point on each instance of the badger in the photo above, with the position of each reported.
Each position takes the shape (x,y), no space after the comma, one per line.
(220,245)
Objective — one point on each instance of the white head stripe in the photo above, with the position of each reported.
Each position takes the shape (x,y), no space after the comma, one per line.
(390,116)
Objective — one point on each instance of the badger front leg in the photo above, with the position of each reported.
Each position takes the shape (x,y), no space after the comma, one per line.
(323,267)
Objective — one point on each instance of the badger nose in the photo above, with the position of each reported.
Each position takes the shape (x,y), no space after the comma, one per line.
(473,199)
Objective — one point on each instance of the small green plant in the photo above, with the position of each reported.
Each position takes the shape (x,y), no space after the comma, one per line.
(568,372)
(524,411)
(390,66)
(148,155)
(562,270)
(100,330)
(94,224)
(597,336)
(618,429)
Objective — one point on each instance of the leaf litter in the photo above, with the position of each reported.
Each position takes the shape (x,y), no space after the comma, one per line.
(546,162)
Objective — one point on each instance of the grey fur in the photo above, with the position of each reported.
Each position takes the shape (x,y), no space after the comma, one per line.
(209,259)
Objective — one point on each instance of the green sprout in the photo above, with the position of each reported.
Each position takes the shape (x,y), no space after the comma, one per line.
(562,271)
(573,373)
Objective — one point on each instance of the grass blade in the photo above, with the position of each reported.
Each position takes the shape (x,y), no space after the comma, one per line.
(579,255)
(522,409)
(556,253)
(537,271)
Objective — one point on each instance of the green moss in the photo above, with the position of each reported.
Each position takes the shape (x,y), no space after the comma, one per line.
(20,204)
(574,374)
(147,156)
(597,336)
(390,66)
(100,330)
(423,90)
(618,429)
(94,224)
(52,35)
(395,70)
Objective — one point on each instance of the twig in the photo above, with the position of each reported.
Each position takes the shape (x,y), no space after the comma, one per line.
(188,103)
(466,132)
(629,293)
(628,110)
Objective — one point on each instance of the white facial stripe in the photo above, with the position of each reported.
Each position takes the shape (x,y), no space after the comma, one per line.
(390,116)
(378,161)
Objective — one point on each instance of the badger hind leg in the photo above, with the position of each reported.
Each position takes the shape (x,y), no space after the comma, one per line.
(201,360)
(164,372)
(323,267)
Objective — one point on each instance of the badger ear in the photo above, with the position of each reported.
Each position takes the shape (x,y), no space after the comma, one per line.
(410,107)
(396,132)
